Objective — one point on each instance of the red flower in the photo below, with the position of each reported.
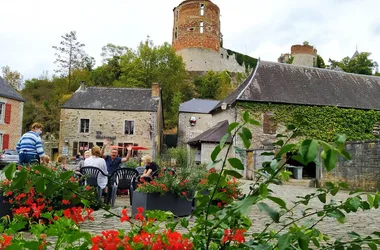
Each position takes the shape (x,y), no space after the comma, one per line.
(9,193)
(124,216)
(89,215)
(236,235)
(5,241)
(24,211)
(88,188)
(65,202)
(184,193)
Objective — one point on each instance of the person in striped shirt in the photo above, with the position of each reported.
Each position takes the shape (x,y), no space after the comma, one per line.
(29,147)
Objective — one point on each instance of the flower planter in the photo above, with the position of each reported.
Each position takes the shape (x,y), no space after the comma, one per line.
(169,202)
(5,207)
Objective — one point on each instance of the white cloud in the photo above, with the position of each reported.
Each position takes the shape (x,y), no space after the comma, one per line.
(29,29)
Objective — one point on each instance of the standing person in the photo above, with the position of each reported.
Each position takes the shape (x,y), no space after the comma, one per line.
(97,161)
(113,161)
(29,147)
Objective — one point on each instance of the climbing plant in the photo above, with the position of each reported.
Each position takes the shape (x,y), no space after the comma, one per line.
(321,122)
(249,62)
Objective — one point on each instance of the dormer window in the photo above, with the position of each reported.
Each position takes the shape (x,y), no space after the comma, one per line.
(202,9)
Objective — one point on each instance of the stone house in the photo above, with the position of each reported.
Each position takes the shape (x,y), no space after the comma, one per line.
(124,116)
(281,84)
(11,115)
(194,118)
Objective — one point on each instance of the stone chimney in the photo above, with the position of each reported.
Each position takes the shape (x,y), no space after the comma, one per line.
(83,86)
(155,90)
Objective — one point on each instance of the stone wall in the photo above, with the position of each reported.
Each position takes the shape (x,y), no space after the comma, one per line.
(198,59)
(14,128)
(105,123)
(187,30)
(363,170)
(304,55)
(187,132)
(206,150)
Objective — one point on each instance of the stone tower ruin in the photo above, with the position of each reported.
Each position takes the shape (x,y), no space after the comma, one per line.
(197,38)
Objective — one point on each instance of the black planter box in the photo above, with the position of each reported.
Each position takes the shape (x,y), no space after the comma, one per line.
(5,207)
(169,202)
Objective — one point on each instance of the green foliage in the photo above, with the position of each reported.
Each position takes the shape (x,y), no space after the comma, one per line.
(215,85)
(249,62)
(320,62)
(221,225)
(290,60)
(360,64)
(322,122)
(71,56)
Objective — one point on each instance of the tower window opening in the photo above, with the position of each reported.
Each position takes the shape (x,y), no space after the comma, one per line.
(191,29)
(202,9)
(221,55)
(176,15)
(201,27)
(176,33)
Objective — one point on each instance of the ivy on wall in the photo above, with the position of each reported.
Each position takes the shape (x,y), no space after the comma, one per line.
(249,62)
(322,122)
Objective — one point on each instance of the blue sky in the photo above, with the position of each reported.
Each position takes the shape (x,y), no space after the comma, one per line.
(262,29)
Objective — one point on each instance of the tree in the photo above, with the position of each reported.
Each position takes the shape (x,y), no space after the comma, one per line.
(144,66)
(14,78)
(112,51)
(70,56)
(209,85)
(360,64)
(320,62)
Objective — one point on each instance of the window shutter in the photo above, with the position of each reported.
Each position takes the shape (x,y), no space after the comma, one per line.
(5,141)
(7,118)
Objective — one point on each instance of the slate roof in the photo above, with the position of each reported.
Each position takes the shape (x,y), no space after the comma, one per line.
(213,135)
(290,84)
(125,99)
(8,92)
(202,106)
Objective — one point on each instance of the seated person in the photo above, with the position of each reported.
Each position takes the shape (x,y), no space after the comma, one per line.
(150,168)
(62,160)
(96,160)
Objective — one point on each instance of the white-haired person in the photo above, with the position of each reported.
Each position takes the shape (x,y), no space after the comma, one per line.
(150,168)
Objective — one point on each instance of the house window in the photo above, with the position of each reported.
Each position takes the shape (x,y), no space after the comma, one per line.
(122,149)
(129,127)
(201,27)
(221,55)
(269,125)
(99,144)
(84,125)
(1,142)
(2,112)
(84,146)
(202,9)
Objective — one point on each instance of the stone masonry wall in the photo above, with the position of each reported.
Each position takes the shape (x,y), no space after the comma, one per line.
(14,128)
(187,31)
(363,170)
(109,124)
(187,132)
(197,59)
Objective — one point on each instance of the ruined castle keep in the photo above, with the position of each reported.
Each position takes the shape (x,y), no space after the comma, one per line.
(197,38)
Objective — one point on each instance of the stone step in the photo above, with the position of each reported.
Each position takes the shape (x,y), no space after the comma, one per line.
(301,183)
